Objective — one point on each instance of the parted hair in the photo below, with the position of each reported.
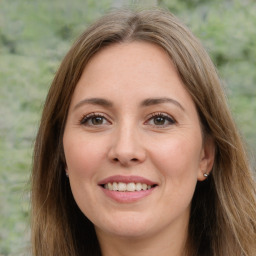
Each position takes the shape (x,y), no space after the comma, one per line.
(223,209)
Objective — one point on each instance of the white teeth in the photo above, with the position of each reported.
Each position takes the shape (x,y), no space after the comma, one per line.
(131,187)
(138,186)
(115,187)
(110,186)
(121,186)
(144,186)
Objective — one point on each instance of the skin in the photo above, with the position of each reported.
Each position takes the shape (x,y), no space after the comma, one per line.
(128,140)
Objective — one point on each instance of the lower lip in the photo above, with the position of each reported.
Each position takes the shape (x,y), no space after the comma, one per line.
(127,197)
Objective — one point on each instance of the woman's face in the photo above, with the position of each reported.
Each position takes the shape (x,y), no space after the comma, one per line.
(133,143)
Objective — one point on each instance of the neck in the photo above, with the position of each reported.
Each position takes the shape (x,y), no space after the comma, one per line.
(162,244)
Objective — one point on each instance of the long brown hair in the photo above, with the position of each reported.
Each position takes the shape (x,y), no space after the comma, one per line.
(223,211)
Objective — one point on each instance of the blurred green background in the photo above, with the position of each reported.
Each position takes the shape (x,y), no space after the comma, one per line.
(35,35)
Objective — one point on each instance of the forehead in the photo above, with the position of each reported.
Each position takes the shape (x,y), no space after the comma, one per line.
(131,71)
(138,56)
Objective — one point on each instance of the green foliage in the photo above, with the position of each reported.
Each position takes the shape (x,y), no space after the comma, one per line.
(35,35)
(227,30)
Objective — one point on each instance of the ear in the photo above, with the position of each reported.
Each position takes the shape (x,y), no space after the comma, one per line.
(67,172)
(207,158)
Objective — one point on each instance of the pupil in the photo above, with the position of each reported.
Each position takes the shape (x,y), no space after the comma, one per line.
(159,120)
(97,120)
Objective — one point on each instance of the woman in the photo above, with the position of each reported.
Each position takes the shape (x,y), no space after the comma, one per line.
(137,153)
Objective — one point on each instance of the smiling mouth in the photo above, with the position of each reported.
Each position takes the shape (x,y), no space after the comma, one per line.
(127,187)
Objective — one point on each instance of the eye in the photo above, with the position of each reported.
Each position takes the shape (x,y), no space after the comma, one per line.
(160,120)
(94,119)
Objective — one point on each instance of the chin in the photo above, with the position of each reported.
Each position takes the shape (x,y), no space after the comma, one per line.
(128,233)
(127,227)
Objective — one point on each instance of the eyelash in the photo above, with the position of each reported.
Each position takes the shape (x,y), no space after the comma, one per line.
(165,116)
(86,118)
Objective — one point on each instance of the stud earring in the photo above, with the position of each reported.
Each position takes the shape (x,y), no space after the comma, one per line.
(206,175)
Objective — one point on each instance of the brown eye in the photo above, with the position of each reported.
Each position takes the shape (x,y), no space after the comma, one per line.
(94,120)
(97,120)
(160,120)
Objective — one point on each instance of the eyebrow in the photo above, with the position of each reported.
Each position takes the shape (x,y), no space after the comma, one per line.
(144,103)
(156,101)
(94,101)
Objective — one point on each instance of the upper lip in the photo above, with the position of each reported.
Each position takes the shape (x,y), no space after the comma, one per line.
(127,179)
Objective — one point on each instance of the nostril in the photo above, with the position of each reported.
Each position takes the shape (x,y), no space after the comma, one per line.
(133,159)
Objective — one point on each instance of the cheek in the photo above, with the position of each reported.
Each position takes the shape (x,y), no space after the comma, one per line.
(178,162)
(82,155)
(83,163)
(177,156)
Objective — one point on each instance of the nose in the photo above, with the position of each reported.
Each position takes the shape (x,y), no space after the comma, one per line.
(127,147)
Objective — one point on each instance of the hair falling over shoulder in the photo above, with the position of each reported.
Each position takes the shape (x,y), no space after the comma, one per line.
(223,211)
